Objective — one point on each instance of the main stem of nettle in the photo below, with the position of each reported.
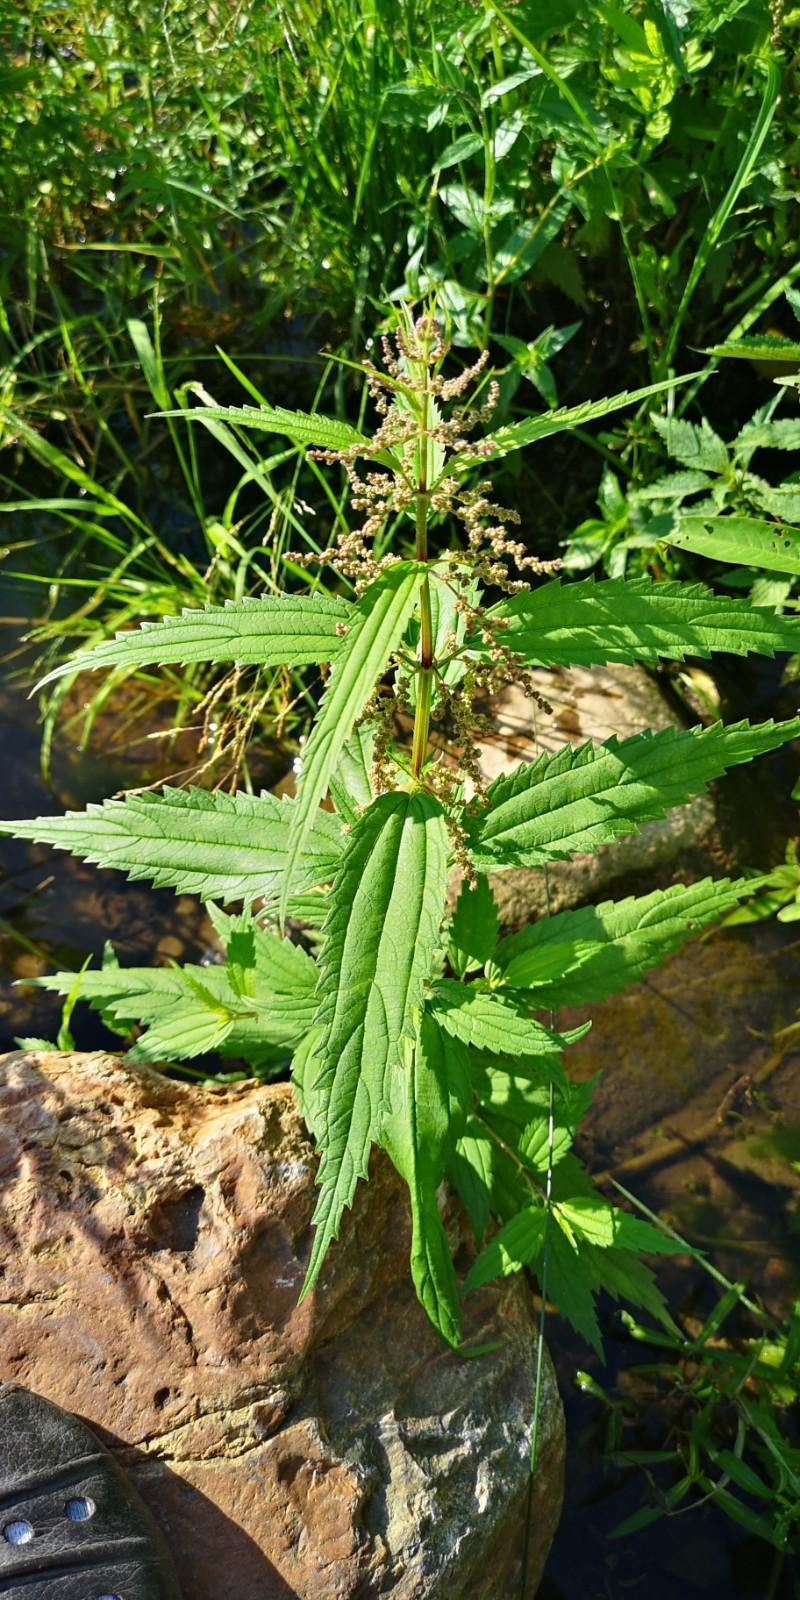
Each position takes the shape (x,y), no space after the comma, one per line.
(422,717)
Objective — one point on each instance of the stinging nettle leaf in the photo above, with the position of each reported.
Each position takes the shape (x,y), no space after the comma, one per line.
(783,434)
(294,630)
(381,933)
(218,846)
(519,434)
(350,784)
(378,622)
(585,955)
(590,623)
(470,1171)
(516,1245)
(473,928)
(697,447)
(428,1098)
(758,347)
(188,1011)
(496,1022)
(606,1226)
(583,798)
(303,428)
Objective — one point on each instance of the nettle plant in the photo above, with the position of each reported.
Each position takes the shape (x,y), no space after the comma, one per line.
(413,1029)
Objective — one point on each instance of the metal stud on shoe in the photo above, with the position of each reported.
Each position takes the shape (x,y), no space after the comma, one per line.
(72,1527)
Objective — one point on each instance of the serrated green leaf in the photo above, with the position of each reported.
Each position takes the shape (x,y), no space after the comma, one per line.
(577,957)
(583,798)
(516,1245)
(378,622)
(519,434)
(277,630)
(495,1022)
(305,1066)
(744,541)
(570,1287)
(218,846)
(695,446)
(418,1133)
(783,434)
(381,933)
(674,484)
(513,1094)
(350,785)
(473,928)
(589,623)
(304,428)
(540,1149)
(187,1011)
(606,1226)
(624,1276)
(470,1171)
(758,347)
(286,968)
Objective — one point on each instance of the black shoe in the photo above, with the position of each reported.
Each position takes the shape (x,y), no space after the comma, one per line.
(71,1525)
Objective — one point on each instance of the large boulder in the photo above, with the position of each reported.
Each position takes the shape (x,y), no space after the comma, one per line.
(154,1243)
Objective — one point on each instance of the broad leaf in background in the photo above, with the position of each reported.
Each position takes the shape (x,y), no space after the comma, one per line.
(429,1097)
(582,798)
(377,624)
(381,934)
(470,1171)
(745,541)
(516,1245)
(695,445)
(581,956)
(218,846)
(276,630)
(588,623)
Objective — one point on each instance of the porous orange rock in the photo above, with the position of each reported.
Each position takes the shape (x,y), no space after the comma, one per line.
(154,1243)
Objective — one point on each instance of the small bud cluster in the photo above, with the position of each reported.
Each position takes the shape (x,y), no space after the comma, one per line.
(413,369)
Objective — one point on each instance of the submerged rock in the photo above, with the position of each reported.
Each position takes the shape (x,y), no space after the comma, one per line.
(154,1243)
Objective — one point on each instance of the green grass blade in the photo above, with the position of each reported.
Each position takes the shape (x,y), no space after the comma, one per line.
(713,232)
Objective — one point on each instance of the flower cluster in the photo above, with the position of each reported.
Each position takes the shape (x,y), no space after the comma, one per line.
(411,471)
